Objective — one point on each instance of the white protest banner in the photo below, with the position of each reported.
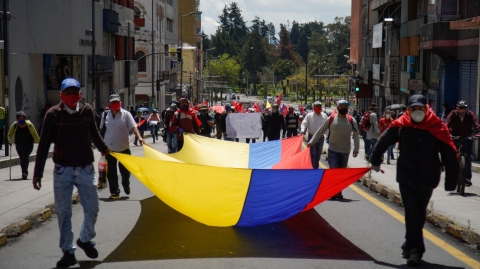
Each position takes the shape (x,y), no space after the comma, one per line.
(244,125)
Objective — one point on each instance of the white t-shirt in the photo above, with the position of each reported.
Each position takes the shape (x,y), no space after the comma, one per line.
(118,130)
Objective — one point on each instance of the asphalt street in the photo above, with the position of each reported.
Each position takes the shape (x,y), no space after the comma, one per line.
(140,231)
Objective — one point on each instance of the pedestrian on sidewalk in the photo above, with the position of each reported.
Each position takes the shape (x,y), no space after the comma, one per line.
(340,126)
(291,121)
(2,127)
(185,120)
(312,122)
(206,120)
(275,123)
(141,128)
(22,133)
(70,125)
(464,123)
(385,122)
(373,131)
(422,135)
(119,123)
(171,134)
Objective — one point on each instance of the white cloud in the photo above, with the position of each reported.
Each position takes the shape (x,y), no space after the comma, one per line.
(276,11)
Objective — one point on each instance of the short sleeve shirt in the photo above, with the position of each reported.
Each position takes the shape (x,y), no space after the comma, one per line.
(118,130)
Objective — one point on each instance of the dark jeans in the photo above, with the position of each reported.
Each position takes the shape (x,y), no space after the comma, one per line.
(264,136)
(179,145)
(273,137)
(292,132)
(337,159)
(316,151)
(154,130)
(24,151)
(467,148)
(141,134)
(415,202)
(373,142)
(366,142)
(112,175)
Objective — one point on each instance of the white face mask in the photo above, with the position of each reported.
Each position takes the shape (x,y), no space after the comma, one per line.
(418,116)
(387,116)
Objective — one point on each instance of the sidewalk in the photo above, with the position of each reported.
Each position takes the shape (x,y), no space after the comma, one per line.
(5,160)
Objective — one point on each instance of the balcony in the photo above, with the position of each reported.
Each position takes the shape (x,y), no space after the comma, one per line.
(139,22)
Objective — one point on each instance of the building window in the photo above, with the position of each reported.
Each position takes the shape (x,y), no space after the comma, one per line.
(170,2)
(142,63)
(170,25)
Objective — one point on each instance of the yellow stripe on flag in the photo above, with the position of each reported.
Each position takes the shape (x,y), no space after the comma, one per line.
(211,195)
(268,105)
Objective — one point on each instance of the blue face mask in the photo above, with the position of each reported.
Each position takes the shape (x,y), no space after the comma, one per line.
(227,108)
(21,122)
(184,107)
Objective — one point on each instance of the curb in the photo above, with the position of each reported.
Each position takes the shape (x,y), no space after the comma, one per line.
(16,160)
(447,225)
(18,228)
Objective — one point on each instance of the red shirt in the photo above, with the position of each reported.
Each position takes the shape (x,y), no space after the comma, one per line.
(384,124)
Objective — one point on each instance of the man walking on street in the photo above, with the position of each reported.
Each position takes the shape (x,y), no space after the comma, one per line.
(185,120)
(384,124)
(463,122)
(70,125)
(119,123)
(218,125)
(340,126)
(206,120)
(312,122)
(275,123)
(373,131)
(422,135)
(171,134)
(291,121)
(223,122)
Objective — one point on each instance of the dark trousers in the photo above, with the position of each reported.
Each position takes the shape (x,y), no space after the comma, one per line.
(24,151)
(264,136)
(316,151)
(366,142)
(415,202)
(112,175)
(248,140)
(179,145)
(273,137)
(141,134)
(292,132)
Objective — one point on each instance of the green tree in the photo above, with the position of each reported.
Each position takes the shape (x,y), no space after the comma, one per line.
(254,56)
(226,68)
(287,50)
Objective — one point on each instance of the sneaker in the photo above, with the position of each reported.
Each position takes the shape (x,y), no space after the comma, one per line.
(393,158)
(406,253)
(67,260)
(127,190)
(89,248)
(24,176)
(388,162)
(114,196)
(414,259)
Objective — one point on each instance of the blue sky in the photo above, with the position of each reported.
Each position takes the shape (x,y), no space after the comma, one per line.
(276,11)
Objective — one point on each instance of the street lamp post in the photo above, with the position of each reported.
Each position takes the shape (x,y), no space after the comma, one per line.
(211,95)
(181,43)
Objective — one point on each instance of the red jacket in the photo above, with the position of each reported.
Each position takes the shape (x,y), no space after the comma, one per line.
(464,128)
(187,122)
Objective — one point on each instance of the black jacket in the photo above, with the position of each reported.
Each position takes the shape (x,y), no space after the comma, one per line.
(419,165)
(275,122)
(223,122)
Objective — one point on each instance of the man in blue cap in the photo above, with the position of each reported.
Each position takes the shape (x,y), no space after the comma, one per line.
(71,126)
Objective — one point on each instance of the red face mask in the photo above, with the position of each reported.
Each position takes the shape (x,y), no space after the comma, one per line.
(291,111)
(71,100)
(317,109)
(115,106)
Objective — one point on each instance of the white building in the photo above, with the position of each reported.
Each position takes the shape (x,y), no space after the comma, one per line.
(165,33)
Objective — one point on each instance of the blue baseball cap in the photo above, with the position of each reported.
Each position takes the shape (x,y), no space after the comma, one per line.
(70,82)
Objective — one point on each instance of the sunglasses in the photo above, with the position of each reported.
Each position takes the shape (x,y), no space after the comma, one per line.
(462,107)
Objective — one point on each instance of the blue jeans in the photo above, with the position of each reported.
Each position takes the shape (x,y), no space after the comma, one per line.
(64,178)
(337,159)
(171,142)
(315,151)
(373,142)
(365,141)
(390,152)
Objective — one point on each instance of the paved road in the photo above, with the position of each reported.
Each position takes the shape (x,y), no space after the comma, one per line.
(142,232)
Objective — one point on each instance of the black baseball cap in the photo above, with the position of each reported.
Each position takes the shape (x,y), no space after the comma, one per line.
(417,100)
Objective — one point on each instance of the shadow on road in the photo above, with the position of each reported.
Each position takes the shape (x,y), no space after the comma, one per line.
(163,233)
(423,265)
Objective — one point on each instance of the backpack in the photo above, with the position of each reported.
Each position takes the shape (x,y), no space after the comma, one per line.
(366,124)
(350,119)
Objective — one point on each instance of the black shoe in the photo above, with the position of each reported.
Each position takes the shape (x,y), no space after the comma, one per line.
(24,176)
(89,248)
(114,196)
(67,260)
(388,162)
(468,183)
(406,253)
(392,158)
(414,259)
(127,190)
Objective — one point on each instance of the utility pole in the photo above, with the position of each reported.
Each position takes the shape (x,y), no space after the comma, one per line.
(153,58)
(6,80)
(94,71)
